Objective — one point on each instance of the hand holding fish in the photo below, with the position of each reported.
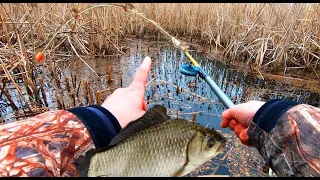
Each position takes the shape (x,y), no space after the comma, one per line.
(238,118)
(127,104)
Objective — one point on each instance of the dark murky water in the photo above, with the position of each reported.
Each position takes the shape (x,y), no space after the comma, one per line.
(195,98)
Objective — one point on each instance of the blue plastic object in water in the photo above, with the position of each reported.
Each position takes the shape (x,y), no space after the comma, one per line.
(188,70)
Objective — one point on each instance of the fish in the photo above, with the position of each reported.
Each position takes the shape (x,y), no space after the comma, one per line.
(157,146)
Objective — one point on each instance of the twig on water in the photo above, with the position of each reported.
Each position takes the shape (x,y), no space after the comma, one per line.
(17,87)
(82,59)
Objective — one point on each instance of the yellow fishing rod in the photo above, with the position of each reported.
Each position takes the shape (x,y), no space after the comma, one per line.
(220,94)
(128,7)
(184,47)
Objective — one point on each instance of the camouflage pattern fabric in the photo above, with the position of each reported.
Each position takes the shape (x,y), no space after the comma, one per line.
(49,144)
(292,147)
(44,145)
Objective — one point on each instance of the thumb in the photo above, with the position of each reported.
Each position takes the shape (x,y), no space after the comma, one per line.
(141,76)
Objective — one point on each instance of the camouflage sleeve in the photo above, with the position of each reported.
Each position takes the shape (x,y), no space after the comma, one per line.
(287,136)
(49,144)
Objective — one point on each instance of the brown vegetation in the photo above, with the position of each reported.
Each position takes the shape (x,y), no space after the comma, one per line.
(269,37)
(279,39)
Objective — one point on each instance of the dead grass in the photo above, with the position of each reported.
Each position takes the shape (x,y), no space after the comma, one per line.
(269,37)
(279,36)
(281,39)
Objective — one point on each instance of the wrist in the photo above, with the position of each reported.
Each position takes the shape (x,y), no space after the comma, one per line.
(265,120)
(101,124)
(115,114)
(270,112)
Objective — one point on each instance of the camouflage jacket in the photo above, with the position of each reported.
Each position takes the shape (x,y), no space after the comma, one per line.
(287,135)
(51,143)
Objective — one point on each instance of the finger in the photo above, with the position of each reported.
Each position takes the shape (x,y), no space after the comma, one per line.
(225,121)
(144,105)
(232,124)
(141,76)
(227,114)
(239,128)
(244,138)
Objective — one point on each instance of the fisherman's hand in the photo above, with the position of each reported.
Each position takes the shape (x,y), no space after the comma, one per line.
(127,104)
(238,118)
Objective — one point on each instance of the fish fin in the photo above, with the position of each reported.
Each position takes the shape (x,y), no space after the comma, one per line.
(181,171)
(185,170)
(154,116)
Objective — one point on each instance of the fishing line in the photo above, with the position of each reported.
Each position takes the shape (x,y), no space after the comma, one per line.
(191,70)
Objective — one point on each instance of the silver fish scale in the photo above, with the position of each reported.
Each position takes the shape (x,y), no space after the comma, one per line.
(160,150)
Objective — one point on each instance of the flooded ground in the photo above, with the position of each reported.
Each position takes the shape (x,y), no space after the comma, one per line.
(193,99)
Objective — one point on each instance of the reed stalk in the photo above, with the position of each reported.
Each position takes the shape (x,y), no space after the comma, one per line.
(108,73)
(98,97)
(16,86)
(91,101)
(12,104)
(280,38)
(44,97)
(237,30)
(86,90)
(58,102)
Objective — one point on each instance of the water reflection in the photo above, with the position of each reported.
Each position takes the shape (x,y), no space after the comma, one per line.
(194,95)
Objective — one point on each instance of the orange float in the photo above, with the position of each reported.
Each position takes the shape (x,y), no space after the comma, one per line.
(39,57)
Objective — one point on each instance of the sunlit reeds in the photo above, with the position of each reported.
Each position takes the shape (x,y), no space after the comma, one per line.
(281,39)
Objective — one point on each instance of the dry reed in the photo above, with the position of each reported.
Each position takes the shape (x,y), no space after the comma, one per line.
(283,39)
(279,37)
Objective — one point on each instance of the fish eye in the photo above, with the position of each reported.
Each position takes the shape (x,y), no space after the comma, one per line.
(210,143)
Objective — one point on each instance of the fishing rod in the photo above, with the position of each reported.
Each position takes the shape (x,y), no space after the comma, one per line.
(196,67)
(128,7)
(187,70)
(219,93)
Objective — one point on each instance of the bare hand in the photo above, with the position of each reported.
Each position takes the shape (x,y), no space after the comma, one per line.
(127,104)
(238,118)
